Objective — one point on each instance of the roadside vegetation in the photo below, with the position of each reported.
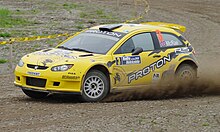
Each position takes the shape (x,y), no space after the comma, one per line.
(2,61)
(5,34)
(7,21)
(41,18)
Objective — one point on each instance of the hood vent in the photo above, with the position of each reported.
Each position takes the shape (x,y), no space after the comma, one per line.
(85,55)
(110,28)
(46,50)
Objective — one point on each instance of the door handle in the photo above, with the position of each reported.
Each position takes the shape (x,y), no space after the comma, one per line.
(157,56)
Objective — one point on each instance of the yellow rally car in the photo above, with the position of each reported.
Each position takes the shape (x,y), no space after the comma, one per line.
(108,57)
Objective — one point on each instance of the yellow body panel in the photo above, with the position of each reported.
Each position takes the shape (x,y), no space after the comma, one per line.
(121,76)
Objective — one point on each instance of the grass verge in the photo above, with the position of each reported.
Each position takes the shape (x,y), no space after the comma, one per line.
(7,21)
(2,61)
(4,35)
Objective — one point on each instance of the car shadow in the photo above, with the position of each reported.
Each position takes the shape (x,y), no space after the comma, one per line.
(55,98)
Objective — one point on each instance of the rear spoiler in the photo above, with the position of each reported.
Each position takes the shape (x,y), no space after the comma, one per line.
(167,25)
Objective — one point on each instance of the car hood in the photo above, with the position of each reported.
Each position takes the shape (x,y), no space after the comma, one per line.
(53,56)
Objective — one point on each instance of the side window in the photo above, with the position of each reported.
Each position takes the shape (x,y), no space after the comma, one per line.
(143,40)
(127,47)
(169,41)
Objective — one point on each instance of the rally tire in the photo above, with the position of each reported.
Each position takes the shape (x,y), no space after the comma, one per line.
(186,73)
(95,86)
(35,94)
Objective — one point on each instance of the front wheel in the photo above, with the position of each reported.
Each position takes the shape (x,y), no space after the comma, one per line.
(35,94)
(95,86)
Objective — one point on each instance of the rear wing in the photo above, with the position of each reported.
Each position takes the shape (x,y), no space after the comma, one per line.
(167,25)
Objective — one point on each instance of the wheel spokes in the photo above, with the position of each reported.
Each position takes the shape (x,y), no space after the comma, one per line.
(93,87)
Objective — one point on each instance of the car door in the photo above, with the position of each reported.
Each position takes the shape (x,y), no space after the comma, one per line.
(166,47)
(134,70)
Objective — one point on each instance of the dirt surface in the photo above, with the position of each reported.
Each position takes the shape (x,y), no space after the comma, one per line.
(130,111)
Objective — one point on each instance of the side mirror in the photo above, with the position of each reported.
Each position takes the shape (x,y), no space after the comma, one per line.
(137,51)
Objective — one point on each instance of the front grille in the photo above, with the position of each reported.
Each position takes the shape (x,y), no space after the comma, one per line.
(37,82)
(37,67)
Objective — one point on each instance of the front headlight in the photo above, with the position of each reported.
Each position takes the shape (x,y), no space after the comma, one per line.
(21,63)
(62,67)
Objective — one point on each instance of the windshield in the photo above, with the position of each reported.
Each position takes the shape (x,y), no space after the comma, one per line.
(92,43)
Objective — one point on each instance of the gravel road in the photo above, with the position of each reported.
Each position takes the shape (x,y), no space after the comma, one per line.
(131,111)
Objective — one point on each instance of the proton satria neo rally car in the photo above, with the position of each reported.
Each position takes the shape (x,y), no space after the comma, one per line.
(108,57)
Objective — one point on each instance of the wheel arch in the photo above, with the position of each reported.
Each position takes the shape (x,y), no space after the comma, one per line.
(101,68)
(188,62)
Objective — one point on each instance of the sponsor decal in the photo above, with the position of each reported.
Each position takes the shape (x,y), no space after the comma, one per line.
(92,60)
(61,53)
(127,60)
(71,73)
(156,77)
(169,43)
(47,61)
(157,51)
(34,73)
(117,78)
(113,34)
(120,76)
(183,50)
(70,77)
(146,70)
(190,56)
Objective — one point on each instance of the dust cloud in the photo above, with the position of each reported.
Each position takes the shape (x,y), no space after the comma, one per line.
(201,87)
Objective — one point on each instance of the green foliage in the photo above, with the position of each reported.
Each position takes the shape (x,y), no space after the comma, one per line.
(4,12)
(79,26)
(99,12)
(83,15)
(5,35)
(68,6)
(205,124)
(51,42)
(2,61)
(8,21)
(37,46)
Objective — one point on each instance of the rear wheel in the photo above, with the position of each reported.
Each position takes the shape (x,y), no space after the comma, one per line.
(95,86)
(35,94)
(186,73)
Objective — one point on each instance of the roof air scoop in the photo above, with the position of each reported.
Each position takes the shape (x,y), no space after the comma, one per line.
(109,28)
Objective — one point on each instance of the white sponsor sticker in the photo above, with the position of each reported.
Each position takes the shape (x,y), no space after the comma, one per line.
(156,76)
(34,73)
(127,60)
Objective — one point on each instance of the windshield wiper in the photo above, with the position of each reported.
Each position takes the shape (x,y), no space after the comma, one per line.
(63,47)
(79,49)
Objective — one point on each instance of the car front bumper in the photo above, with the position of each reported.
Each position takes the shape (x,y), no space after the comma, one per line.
(47,81)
